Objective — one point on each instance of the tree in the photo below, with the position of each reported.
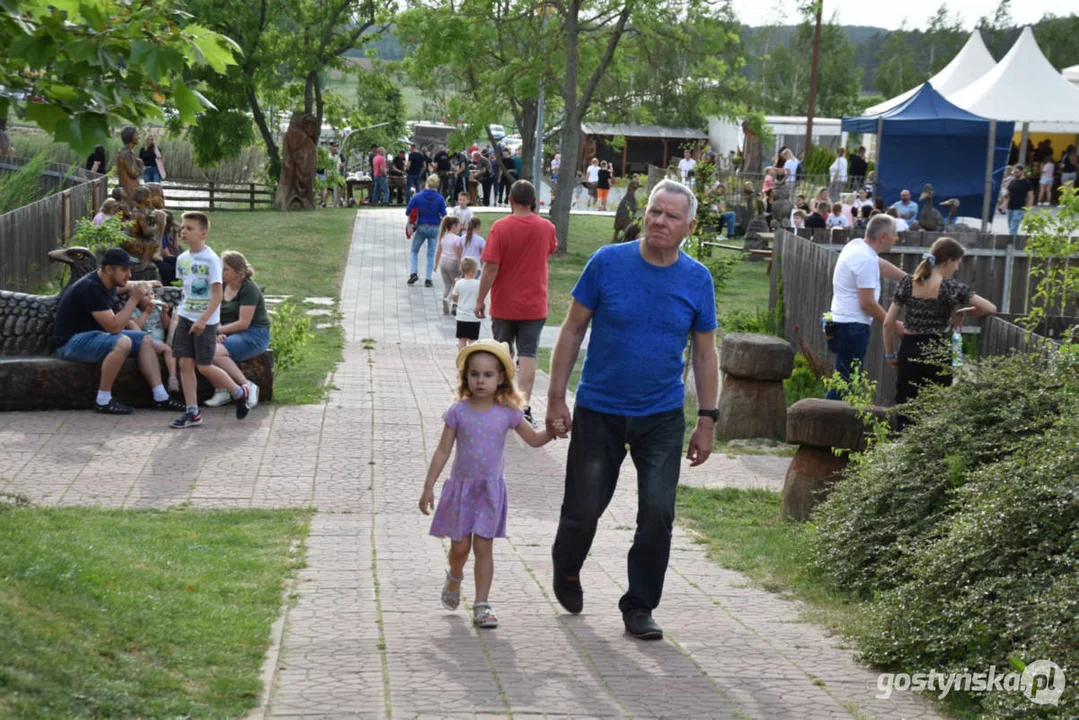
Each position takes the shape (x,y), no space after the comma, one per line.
(378,100)
(96,63)
(944,38)
(781,84)
(996,30)
(897,72)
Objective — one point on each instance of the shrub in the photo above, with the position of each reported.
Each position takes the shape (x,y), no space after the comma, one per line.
(98,239)
(746,321)
(898,500)
(803,382)
(290,329)
(22,186)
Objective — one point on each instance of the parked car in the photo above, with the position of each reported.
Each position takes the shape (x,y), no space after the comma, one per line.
(497,132)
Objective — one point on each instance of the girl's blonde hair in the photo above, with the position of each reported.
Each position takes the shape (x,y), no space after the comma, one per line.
(238,263)
(507,393)
(943,250)
(473,225)
(447,222)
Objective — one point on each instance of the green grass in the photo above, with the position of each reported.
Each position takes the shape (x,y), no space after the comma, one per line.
(109,613)
(300,254)
(743,531)
(543,362)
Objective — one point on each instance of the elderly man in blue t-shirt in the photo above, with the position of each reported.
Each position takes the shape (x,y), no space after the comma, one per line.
(643,300)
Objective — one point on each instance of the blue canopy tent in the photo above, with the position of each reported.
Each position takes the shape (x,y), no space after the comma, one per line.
(927,139)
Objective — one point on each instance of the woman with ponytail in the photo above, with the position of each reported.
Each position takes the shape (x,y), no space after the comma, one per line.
(447,258)
(930,297)
(244,332)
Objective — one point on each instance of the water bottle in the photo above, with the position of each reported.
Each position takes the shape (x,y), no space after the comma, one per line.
(957,348)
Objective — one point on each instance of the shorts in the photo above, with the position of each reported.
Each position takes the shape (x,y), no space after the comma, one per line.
(593,188)
(468,330)
(602,193)
(1046,181)
(93,345)
(200,347)
(247,344)
(524,334)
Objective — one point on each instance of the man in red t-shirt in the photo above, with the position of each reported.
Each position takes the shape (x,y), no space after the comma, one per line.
(515,273)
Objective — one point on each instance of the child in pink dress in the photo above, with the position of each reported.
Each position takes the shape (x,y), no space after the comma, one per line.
(472,508)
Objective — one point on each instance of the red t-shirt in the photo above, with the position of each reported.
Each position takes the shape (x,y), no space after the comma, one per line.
(378,166)
(520,246)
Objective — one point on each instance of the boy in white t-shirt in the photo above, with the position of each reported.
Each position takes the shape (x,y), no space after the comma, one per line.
(461,210)
(195,340)
(465,292)
(837,219)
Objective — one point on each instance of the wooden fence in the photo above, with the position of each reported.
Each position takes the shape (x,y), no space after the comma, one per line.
(992,268)
(212,196)
(28,233)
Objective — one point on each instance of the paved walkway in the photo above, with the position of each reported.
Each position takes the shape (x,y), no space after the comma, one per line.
(365,636)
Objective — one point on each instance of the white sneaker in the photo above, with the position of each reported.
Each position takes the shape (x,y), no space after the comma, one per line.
(252,394)
(221,397)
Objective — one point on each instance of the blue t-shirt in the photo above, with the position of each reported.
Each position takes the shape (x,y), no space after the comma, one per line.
(643,317)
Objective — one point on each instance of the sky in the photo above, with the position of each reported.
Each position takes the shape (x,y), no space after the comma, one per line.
(916,12)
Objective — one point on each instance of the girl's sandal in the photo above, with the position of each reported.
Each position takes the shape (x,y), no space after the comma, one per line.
(451,598)
(483,616)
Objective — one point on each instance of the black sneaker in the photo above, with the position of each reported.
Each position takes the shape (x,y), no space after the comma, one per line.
(428,283)
(112,407)
(188,419)
(171,404)
(241,403)
(639,624)
(567,589)
(528,416)
(413,278)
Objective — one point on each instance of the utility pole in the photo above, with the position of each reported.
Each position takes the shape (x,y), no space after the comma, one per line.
(813,81)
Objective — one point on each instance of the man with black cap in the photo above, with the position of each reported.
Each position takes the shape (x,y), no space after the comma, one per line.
(87,330)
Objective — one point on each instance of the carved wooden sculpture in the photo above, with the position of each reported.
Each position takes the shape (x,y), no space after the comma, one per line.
(296,187)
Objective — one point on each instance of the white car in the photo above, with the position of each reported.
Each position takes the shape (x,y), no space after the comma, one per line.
(512,142)
(497,132)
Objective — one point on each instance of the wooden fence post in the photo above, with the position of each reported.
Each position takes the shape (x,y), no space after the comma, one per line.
(211,194)
(252,186)
(65,217)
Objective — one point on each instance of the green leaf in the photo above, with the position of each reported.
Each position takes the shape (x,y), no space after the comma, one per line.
(36,50)
(212,52)
(186,101)
(83,51)
(45,115)
(155,60)
(83,131)
(93,14)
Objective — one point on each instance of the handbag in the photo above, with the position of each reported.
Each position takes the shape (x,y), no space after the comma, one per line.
(413,223)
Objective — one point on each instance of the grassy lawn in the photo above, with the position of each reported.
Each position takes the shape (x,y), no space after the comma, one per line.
(139,614)
(299,254)
(743,531)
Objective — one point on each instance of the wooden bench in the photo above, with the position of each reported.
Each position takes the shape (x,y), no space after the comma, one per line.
(49,383)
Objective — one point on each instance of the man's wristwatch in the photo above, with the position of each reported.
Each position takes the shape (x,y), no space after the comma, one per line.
(714,414)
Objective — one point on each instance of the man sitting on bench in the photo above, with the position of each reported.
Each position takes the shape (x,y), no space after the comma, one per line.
(87,330)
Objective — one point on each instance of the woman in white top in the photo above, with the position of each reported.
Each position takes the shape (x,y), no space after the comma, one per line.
(838,172)
(790,165)
(1045,183)
(593,181)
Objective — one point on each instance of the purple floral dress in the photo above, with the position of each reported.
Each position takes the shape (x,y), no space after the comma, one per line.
(473,500)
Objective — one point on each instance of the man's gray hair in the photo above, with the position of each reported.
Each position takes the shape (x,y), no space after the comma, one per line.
(673,186)
(879,225)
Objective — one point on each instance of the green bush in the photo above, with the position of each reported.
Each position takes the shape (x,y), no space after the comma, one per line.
(21,187)
(98,239)
(817,162)
(963,533)
(747,321)
(290,329)
(803,382)
(875,521)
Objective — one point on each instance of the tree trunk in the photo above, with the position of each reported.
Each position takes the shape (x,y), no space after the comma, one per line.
(571,131)
(309,91)
(269,138)
(529,116)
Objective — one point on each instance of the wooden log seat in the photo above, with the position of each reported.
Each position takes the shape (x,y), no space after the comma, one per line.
(751,401)
(49,383)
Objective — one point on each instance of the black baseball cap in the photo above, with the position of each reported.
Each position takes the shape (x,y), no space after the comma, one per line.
(118,257)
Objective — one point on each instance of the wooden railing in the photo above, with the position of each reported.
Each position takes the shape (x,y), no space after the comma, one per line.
(214,196)
(27,234)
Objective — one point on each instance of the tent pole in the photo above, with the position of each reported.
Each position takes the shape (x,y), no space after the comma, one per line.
(987,197)
(1022,159)
(876,157)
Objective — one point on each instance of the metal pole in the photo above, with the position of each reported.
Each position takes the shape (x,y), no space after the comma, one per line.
(987,196)
(1022,159)
(876,157)
(813,81)
(537,157)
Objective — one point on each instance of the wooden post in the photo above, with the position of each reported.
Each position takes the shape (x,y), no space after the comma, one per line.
(211,194)
(252,185)
(987,209)
(665,157)
(625,152)
(65,216)
(813,82)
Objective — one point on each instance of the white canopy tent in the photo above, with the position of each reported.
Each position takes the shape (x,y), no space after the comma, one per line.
(972,62)
(1071,74)
(1025,88)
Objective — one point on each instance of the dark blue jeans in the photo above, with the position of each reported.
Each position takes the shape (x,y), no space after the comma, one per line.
(850,343)
(411,181)
(597,448)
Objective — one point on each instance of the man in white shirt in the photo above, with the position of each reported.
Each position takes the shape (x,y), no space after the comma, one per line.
(686,164)
(855,293)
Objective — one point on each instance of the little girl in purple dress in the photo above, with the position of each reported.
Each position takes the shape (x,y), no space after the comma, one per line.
(472,509)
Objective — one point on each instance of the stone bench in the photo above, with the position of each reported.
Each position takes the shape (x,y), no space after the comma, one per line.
(49,383)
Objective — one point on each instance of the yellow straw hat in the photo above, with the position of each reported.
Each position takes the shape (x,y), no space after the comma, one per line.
(500,350)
